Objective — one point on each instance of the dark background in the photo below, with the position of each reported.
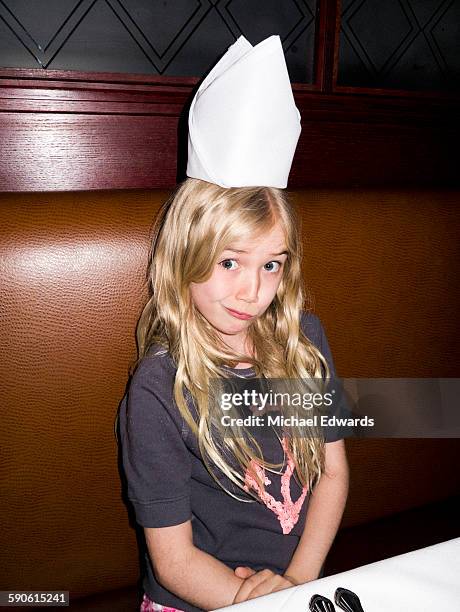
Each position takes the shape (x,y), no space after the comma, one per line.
(408,44)
(94,94)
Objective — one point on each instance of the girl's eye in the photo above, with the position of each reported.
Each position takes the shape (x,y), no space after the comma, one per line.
(228,264)
(272,266)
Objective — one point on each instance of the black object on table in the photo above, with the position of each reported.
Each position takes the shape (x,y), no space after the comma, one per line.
(347,600)
(319,603)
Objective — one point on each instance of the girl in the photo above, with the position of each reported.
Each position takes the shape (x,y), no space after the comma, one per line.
(226,301)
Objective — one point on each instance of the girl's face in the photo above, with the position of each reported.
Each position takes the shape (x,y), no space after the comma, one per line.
(242,285)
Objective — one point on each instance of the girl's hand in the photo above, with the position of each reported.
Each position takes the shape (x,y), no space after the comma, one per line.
(260,583)
(244,572)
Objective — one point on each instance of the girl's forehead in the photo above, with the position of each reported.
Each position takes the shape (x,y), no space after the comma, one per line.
(272,240)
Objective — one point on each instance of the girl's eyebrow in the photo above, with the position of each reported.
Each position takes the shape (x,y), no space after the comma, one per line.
(233,250)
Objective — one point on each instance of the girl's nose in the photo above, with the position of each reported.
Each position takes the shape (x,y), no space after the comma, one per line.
(248,289)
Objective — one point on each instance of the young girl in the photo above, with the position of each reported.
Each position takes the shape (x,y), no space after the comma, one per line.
(223,522)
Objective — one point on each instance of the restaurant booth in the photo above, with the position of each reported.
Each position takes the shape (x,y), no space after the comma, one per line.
(86,163)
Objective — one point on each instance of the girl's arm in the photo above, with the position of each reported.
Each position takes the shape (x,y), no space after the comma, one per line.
(187,571)
(325,510)
(198,577)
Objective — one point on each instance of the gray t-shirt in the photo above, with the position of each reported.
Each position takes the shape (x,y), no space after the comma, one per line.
(168,483)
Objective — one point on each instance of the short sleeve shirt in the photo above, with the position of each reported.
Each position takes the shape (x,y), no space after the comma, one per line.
(168,483)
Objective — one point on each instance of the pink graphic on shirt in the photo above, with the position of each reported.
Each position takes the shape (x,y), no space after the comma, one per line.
(148,605)
(286,511)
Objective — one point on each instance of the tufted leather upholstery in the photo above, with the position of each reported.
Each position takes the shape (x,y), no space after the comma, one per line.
(382,269)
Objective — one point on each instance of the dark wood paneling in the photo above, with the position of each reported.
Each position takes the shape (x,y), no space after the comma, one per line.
(71,131)
(62,151)
(327,40)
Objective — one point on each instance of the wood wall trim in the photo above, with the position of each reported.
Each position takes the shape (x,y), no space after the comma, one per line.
(327,43)
(72,131)
(87,77)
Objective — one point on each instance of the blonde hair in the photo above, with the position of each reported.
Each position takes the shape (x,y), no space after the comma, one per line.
(197,223)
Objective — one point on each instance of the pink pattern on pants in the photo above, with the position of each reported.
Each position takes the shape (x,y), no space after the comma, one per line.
(148,605)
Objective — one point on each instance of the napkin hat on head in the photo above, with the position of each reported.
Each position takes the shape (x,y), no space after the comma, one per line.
(243,121)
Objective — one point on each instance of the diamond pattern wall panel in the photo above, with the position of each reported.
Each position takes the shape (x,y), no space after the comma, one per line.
(404,44)
(169,37)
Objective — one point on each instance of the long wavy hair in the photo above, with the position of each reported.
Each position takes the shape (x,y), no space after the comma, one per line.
(194,227)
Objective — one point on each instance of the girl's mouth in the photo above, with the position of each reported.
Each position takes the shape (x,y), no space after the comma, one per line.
(238,315)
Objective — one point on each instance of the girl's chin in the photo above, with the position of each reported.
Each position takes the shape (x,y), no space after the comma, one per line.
(233,328)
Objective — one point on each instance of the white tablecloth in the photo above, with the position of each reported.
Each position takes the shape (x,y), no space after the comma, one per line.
(425,580)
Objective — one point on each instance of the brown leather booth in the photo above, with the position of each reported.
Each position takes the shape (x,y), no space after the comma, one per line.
(382,270)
